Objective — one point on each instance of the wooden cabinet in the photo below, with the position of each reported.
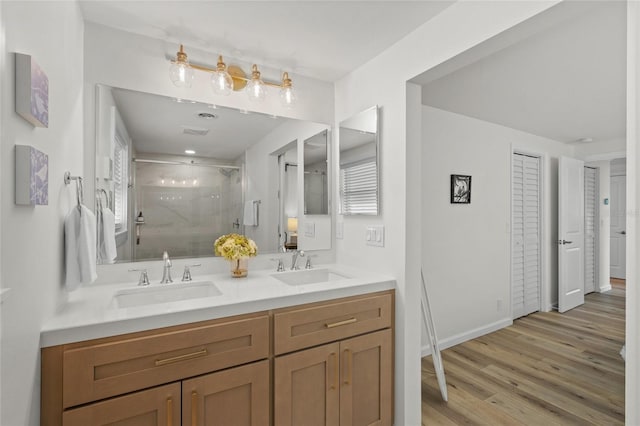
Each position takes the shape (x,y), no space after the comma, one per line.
(348,382)
(159,406)
(85,383)
(238,396)
(332,365)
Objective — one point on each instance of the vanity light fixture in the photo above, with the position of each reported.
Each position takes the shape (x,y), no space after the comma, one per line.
(225,79)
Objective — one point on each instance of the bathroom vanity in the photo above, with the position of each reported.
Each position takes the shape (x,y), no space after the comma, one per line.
(319,353)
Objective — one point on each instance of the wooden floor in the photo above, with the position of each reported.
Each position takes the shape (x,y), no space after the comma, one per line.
(547,369)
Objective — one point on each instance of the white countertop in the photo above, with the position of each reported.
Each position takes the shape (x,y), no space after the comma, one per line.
(91,313)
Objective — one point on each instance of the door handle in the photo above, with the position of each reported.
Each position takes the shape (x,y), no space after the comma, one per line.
(563,242)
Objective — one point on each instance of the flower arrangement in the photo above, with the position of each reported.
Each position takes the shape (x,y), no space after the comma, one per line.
(235,246)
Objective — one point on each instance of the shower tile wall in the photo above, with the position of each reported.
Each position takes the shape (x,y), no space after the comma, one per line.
(185,208)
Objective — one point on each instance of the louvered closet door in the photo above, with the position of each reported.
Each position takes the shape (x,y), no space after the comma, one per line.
(590,223)
(525,234)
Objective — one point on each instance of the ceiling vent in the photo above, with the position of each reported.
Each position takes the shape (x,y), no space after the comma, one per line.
(195,131)
(207,115)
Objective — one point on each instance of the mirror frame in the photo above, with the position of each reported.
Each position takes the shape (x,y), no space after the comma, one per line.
(344,124)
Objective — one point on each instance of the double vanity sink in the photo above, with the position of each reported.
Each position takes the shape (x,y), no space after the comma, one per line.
(167,293)
(111,309)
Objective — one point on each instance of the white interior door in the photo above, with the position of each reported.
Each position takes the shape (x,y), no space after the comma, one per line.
(525,235)
(618,226)
(570,233)
(590,229)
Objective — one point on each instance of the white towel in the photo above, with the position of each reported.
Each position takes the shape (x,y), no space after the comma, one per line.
(107,251)
(251,213)
(80,247)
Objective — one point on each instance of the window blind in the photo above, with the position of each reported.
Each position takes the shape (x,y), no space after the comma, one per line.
(120,179)
(359,187)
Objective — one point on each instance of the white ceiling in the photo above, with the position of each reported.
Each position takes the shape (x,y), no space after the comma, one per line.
(565,82)
(320,39)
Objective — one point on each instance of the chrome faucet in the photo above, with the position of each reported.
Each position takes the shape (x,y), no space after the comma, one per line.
(166,271)
(294,259)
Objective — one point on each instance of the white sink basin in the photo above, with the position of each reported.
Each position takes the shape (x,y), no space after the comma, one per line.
(164,293)
(309,276)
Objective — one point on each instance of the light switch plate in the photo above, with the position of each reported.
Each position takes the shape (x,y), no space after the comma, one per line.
(310,229)
(375,236)
(339,230)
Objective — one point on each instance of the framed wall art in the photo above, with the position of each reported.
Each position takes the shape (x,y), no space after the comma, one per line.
(32,91)
(460,189)
(32,176)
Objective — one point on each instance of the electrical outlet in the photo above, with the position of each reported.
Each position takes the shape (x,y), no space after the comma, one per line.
(499,304)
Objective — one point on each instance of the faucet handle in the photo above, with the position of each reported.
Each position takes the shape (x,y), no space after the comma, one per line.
(308,265)
(143,280)
(280,263)
(186,275)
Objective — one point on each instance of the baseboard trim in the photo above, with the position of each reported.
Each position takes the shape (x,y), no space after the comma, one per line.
(468,335)
(605,288)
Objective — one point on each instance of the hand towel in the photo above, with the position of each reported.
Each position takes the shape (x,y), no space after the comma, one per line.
(80,247)
(107,251)
(250,213)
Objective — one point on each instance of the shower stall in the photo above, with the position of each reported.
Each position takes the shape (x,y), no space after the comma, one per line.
(182,207)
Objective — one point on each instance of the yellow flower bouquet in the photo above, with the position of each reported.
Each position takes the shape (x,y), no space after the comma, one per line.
(238,249)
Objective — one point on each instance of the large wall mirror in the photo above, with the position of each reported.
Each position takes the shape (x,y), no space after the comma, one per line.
(360,164)
(178,174)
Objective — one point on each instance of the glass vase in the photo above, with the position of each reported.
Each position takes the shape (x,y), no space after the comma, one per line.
(239,267)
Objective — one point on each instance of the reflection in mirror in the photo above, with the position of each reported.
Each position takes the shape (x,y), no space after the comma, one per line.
(316,192)
(359,164)
(288,221)
(176,173)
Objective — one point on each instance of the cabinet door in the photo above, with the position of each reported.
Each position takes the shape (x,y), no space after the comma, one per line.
(238,396)
(159,406)
(366,390)
(307,387)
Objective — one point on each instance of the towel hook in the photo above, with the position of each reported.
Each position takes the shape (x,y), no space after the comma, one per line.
(79,189)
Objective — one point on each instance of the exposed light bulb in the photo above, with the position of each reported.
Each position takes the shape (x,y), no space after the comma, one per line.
(180,72)
(288,96)
(255,87)
(221,80)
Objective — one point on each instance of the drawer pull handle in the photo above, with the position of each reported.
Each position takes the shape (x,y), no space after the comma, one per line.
(160,362)
(169,411)
(339,323)
(349,368)
(336,371)
(194,408)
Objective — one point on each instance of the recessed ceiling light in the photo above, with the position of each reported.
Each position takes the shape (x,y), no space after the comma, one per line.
(189,151)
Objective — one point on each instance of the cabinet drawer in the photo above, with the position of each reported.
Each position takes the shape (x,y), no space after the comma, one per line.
(321,323)
(108,367)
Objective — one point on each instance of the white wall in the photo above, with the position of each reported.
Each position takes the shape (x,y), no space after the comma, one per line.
(32,237)
(466,249)
(458,28)
(601,150)
(632,372)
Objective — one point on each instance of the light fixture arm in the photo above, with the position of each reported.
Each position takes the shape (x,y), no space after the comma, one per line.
(239,77)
